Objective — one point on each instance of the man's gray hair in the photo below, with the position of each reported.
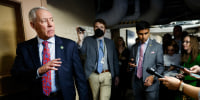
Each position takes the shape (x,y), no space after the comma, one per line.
(32,13)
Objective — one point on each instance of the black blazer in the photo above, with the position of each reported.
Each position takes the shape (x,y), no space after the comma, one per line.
(70,73)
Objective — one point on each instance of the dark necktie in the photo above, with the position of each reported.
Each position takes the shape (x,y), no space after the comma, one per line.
(46,78)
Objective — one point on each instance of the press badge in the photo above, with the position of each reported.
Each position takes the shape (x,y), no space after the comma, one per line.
(102,60)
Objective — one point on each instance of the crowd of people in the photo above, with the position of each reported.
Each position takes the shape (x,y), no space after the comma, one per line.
(54,67)
(177,49)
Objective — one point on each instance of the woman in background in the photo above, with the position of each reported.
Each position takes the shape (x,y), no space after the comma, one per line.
(166,39)
(171,57)
(190,57)
(123,56)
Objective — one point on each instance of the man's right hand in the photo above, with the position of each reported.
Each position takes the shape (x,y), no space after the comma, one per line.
(180,76)
(80,34)
(51,65)
(170,82)
(195,69)
(131,64)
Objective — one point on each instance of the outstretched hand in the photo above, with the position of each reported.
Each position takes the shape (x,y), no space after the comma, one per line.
(51,65)
(195,69)
(171,83)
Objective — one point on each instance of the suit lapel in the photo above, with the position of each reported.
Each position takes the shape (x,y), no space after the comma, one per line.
(135,50)
(33,48)
(95,45)
(107,46)
(148,50)
(59,48)
(59,52)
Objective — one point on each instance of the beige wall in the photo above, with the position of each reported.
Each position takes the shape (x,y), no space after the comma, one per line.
(68,14)
(26,5)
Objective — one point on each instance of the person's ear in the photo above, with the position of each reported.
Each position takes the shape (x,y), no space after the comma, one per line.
(32,25)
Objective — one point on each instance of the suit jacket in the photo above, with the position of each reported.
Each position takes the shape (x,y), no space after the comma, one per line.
(71,71)
(153,57)
(89,50)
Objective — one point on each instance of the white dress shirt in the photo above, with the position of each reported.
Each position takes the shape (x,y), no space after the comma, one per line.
(51,45)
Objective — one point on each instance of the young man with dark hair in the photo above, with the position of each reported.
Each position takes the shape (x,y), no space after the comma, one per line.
(101,62)
(146,53)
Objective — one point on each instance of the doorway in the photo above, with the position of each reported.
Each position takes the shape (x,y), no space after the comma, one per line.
(11,33)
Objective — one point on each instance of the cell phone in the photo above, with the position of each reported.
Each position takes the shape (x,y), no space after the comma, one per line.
(131,61)
(195,75)
(81,29)
(178,66)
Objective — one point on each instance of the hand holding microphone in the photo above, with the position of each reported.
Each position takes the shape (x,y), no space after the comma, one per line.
(152,71)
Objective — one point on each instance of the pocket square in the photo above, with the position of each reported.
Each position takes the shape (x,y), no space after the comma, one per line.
(152,52)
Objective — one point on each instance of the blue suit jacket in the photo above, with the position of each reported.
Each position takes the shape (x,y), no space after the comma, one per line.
(70,73)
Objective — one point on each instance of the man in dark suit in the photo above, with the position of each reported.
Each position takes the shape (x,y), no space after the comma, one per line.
(101,62)
(63,62)
(146,53)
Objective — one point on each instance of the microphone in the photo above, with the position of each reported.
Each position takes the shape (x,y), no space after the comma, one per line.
(153,72)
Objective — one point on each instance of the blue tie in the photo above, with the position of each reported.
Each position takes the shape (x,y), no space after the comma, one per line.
(100,64)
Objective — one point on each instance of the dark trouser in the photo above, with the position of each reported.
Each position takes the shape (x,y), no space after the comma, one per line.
(54,96)
(141,93)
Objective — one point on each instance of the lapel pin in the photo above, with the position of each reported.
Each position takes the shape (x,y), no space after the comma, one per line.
(61,47)
(152,52)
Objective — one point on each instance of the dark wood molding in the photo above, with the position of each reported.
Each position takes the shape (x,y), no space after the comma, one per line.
(20,36)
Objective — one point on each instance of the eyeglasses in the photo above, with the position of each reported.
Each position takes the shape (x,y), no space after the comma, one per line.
(186,42)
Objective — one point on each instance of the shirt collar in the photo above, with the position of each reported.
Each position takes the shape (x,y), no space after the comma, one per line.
(100,39)
(50,40)
(145,42)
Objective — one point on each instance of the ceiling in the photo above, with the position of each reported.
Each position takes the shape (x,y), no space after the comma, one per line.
(124,13)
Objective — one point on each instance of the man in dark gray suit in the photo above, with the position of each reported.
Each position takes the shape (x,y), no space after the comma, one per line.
(146,53)
(101,62)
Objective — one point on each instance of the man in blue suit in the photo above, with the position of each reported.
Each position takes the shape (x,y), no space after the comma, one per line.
(64,64)
(146,53)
